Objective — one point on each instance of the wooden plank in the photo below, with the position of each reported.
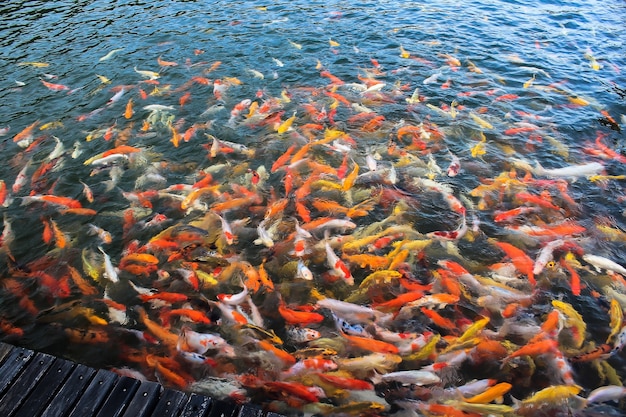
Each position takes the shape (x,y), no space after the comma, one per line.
(46,388)
(24,384)
(4,351)
(95,394)
(13,365)
(170,404)
(248,410)
(144,400)
(70,392)
(222,408)
(120,396)
(197,406)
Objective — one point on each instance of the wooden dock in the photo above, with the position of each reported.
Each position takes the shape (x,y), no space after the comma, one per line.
(34,384)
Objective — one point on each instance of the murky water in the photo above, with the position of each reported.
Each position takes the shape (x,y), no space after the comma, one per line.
(499,87)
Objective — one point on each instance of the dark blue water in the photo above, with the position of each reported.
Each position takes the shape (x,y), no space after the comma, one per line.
(552,70)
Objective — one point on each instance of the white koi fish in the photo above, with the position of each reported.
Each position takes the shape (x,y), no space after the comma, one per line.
(116,97)
(110,272)
(415,377)
(147,74)
(303,272)
(600,262)
(264,236)
(349,311)
(58,150)
(572,171)
(606,393)
(110,54)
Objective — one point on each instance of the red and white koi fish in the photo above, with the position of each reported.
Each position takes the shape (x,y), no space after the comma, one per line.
(455,234)
(116,97)
(455,166)
(234,299)
(192,341)
(309,365)
(219,89)
(237,110)
(226,231)
(299,242)
(299,334)
(21,178)
(338,267)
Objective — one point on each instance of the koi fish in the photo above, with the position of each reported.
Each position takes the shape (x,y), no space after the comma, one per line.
(574,171)
(302,318)
(54,87)
(522,262)
(338,267)
(110,271)
(147,74)
(110,54)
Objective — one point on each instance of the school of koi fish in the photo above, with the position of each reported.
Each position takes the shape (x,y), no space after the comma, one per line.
(351,259)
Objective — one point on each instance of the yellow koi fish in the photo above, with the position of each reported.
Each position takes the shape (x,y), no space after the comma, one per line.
(481,122)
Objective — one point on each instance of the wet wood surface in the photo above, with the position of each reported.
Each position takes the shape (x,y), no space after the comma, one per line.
(36,384)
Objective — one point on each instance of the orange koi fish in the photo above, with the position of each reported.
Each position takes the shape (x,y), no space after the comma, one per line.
(522,262)
(65,202)
(169,339)
(333,80)
(371,345)
(509,215)
(281,354)
(26,133)
(164,63)
(60,240)
(193,315)
(346,382)
(301,318)
(535,349)
(122,149)
(128,113)
(438,319)
(169,297)
(490,394)
(184,99)
(47,234)
(574,277)
(399,301)
(301,391)
(54,87)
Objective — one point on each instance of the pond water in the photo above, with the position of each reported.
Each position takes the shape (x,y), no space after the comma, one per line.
(412,186)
